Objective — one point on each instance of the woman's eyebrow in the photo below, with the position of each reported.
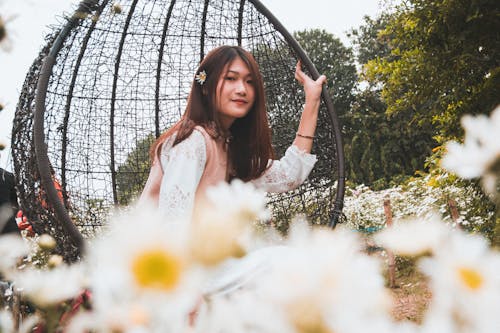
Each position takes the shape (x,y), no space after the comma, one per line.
(237,72)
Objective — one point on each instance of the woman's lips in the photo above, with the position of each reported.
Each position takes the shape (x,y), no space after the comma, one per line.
(240,101)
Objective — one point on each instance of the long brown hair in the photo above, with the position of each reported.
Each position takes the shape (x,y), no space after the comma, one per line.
(249,148)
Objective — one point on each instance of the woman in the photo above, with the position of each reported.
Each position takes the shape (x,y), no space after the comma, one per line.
(224,134)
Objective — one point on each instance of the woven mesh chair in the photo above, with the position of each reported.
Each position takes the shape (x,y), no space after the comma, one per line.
(113,77)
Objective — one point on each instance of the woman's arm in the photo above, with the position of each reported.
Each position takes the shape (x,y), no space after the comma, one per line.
(287,173)
(292,169)
(309,118)
(151,191)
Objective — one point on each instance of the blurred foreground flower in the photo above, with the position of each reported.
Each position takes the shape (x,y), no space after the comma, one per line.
(46,242)
(141,269)
(238,201)
(245,311)
(414,237)
(316,281)
(464,274)
(12,249)
(148,274)
(213,240)
(7,323)
(223,224)
(51,287)
(321,282)
(479,156)
(465,285)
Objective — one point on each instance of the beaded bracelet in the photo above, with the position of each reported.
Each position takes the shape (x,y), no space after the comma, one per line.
(305,136)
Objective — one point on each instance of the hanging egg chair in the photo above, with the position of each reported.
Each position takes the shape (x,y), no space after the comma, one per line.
(116,75)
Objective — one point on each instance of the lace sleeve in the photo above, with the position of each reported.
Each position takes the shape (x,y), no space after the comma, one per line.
(287,173)
(183,166)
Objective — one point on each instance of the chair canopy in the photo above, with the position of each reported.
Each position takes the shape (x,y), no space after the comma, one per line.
(115,75)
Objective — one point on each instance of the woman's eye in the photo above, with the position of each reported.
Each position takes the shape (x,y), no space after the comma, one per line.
(230,78)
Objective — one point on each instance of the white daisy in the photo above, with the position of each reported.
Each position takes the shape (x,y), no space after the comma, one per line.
(50,287)
(215,239)
(12,248)
(222,225)
(238,201)
(325,284)
(133,317)
(480,153)
(25,326)
(465,284)
(413,237)
(242,312)
(144,260)
(201,77)
(6,322)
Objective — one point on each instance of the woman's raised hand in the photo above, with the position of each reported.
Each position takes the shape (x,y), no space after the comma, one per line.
(309,117)
(312,88)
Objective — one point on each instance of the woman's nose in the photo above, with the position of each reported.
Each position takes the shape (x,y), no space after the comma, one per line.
(241,87)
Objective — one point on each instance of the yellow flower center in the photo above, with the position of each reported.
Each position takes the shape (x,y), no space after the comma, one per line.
(307,317)
(471,278)
(156,268)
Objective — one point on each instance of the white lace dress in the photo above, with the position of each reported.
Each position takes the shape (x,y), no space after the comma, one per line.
(183,167)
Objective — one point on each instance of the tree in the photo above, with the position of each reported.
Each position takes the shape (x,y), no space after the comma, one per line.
(381,146)
(333,59)
(367,39)
(131,176)
(337,62)
(444,62)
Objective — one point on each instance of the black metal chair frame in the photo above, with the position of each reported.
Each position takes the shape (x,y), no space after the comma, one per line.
(44,165)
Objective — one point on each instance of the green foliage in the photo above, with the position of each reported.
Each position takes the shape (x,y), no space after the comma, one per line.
(333,59)
(443,62)
(132,175)
(377,147)
(91,216)
(381,147)
(368,40)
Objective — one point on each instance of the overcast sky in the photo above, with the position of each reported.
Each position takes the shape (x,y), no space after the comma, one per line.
(28,22)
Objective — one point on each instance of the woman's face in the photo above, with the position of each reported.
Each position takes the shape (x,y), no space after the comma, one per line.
(235,93)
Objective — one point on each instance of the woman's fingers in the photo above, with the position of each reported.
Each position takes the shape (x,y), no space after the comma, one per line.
(302,77)
(299,74)
(321,80)
(312,88)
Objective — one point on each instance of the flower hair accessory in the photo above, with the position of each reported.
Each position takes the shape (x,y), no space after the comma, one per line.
(201,77)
